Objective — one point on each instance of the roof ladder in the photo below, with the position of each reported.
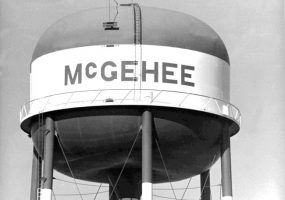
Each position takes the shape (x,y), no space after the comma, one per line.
(138,24)
(138,50)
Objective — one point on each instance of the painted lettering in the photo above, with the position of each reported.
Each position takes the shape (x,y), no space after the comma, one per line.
(166,72)
(150,71)
(113,73)
(126,71)
(109,71)
(87,70)
(77,75)
(186,76)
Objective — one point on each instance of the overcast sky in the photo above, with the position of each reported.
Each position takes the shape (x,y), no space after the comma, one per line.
(253,32)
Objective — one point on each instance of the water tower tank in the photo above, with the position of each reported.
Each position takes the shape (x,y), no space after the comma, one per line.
(96,71)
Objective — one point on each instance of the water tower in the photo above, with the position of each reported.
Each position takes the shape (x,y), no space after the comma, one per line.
(119,95)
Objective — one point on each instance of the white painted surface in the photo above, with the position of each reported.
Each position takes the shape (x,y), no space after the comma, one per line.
(45,194)
(203,86)
(146,191)
(126,98)
(210,74)
(227,198)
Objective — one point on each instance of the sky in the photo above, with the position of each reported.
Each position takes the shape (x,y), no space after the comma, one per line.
(253,32)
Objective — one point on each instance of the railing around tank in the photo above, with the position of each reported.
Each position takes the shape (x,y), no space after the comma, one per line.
(126,97)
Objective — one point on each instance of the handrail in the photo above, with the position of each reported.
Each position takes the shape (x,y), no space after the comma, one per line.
(226,109)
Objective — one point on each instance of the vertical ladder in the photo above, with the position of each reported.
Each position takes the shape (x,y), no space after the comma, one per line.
(138,24)
(138,50)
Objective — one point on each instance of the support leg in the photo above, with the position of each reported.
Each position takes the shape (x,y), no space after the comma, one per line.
(36,169)
(46,193)
(147,155)
(205,185)
(226,165)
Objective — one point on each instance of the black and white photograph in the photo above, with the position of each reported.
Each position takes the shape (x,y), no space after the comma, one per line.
(142,100)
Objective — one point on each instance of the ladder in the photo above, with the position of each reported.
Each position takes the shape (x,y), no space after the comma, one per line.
(138,50)
(138,24)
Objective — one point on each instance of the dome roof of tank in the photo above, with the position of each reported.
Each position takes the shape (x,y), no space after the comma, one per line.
(159,27)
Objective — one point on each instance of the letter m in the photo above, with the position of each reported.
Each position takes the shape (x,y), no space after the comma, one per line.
(76,76)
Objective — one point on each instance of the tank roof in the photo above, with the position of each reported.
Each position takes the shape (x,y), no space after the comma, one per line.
(159,27)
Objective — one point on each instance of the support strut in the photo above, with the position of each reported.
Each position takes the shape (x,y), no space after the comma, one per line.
(147,155)
(36,169)
(46,192)
(205,185)
(226,165)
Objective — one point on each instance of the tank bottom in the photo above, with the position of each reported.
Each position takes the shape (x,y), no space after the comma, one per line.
(96,142)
